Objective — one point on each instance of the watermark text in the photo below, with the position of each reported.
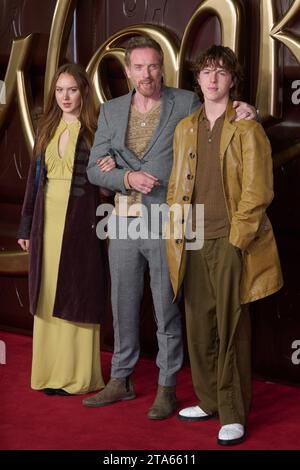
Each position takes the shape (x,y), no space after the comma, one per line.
(296,93)
(2,92)
(296,354)
(177,222)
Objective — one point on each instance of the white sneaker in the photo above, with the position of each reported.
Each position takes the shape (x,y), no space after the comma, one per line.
(231,434)
(193,413)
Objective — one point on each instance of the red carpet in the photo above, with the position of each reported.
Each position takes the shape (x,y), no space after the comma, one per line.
(32,420)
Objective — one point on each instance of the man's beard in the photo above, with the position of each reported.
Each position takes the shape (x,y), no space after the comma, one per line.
(146,91)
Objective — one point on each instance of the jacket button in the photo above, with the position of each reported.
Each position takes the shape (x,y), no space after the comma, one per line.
(185,198)
(179,241)
(190,177)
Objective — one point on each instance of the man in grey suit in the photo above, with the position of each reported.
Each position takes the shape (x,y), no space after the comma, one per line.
(137,129)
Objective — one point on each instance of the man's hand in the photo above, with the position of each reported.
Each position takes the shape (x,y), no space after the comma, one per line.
(244,111)
(142,181)
(106,164)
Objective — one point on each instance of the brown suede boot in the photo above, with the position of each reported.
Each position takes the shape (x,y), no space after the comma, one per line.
(165,403)
(115,390)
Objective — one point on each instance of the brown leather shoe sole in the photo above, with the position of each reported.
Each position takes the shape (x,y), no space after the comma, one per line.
(161,417)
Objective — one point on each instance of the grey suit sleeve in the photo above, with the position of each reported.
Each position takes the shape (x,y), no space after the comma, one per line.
(114,179)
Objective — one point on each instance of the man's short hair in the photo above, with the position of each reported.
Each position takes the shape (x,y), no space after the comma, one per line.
(141,42)
(220,56)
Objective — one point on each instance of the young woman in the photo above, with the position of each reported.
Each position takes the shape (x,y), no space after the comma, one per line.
(67,268)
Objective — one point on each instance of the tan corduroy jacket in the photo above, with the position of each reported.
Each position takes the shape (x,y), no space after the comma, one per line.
(246,166)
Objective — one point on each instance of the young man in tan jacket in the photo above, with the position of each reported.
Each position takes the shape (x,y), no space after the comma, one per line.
(227,166)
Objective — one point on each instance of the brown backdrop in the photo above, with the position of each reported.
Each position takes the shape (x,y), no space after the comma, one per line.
(276,323)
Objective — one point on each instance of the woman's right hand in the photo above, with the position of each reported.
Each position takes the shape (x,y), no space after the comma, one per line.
(24,244)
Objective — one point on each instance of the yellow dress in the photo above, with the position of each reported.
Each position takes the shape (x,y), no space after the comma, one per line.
(65,354)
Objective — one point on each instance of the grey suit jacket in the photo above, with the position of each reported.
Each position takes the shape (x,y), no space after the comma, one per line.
(110,137)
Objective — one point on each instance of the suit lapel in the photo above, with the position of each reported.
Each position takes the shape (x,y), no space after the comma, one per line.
(131,159)
(228,129)
(124,118)
(227,134)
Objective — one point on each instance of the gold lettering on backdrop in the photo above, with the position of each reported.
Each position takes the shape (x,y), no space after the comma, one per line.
(111,48)
(288,38)
(230,18)
(60,29)
(267,93)
(293,43)
(101,85)
(25,114)
(229,14)
(14,261)
(21,49)
(18,57)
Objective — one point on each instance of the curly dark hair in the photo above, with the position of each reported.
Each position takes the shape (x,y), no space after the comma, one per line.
(224,57)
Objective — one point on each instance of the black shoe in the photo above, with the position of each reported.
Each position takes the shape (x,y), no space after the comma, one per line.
(49,391)
(62,392)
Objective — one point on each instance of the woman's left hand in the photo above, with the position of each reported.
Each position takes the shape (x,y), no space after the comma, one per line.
(106,164)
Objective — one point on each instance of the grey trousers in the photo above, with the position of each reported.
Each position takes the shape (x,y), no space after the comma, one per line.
(128,260)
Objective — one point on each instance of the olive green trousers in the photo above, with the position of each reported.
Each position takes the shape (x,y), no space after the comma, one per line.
(218,331)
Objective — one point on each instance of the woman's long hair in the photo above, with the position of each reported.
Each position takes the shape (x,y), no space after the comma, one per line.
(52,115)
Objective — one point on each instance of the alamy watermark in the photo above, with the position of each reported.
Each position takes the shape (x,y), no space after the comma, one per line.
(2,352)
(2,92)
(296,93)
(160,221)
(296,354)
